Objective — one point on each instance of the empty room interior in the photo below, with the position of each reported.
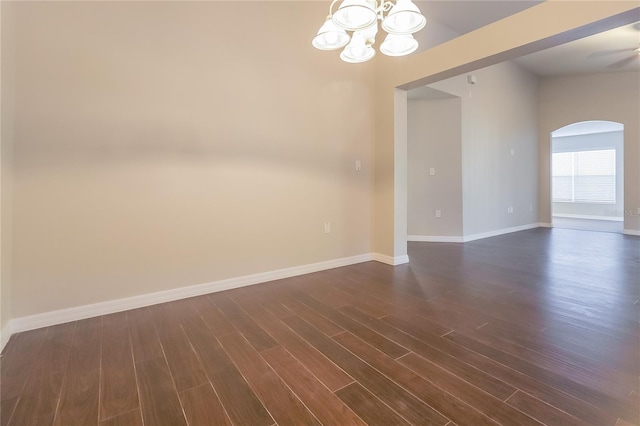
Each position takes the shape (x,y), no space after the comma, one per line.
(358,212)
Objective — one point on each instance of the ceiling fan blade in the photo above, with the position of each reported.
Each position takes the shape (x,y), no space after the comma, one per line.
(624,62)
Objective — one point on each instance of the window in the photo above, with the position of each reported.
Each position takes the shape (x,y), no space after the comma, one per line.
(584,176)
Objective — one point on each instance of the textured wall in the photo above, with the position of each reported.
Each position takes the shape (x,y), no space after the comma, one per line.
(158,147)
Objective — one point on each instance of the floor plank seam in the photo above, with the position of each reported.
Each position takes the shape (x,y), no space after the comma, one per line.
(250,387)
(511,396)
(173,380)
(554,387)
(381,335)
(135,373)
(551,405)
(24,384)
(118,415)
(314,376)
(348,384)
(392,380)
(9,422)
(215,391)
(402,356)
(100,369)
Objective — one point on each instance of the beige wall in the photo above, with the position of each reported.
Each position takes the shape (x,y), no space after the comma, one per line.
(611,97)
(6,164)
(506,39)
(154,151)
(499,117)
(434,141)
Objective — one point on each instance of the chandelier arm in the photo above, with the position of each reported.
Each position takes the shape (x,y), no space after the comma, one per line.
(331,7)
(386,6)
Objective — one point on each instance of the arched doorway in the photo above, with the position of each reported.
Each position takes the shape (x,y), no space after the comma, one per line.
(587,176)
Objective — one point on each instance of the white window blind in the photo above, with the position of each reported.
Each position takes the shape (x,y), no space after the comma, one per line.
(584,176)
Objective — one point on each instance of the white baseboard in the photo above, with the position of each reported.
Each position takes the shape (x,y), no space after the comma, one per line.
(473,237)
(103,308)
(545,225)
(5,335)
(389,260)
(631,232)
(497,232)
(435,239)
(582,216)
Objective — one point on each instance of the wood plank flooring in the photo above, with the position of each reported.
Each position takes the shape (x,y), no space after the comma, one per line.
(539,327)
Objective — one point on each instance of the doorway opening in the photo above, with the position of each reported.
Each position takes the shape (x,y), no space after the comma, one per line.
(587,176)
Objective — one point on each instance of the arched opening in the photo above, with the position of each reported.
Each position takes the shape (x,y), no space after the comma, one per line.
(587,176)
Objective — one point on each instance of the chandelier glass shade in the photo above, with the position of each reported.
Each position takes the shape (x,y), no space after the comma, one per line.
(330,37)
(359,48)
(398,45)
(361,18)
(354,15)
(404,18)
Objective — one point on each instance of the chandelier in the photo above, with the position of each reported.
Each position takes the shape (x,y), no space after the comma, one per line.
(361,18)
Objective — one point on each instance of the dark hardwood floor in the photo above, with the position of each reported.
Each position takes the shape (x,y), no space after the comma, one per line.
(536,327)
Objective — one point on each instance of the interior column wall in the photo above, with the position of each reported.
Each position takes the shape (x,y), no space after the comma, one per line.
(435,142)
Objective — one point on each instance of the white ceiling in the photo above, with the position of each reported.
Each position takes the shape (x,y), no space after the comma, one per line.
(426,92)
(610,51)
(464,16)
